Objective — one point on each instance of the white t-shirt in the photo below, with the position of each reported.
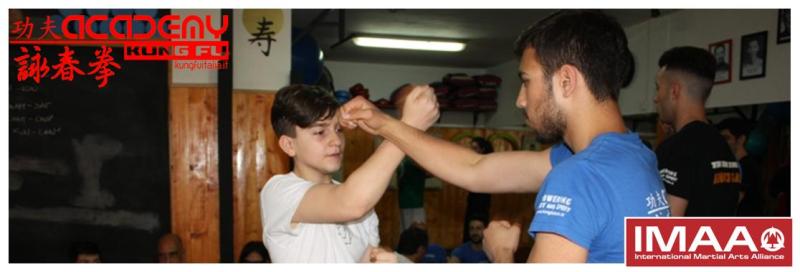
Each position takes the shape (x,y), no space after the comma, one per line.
(306,242)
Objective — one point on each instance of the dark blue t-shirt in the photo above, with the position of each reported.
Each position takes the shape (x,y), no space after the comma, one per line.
(466,254)
(586,196)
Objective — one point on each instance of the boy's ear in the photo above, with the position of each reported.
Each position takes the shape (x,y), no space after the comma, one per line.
(287,145)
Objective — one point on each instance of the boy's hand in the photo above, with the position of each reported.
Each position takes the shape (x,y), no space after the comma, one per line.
(420,108)
(500,241)
(382,255)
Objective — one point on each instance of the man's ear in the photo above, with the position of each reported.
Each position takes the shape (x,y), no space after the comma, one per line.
(287,145)
(675,89)
(567,78)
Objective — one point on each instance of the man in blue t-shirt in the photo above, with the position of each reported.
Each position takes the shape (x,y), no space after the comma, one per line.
(581,200)
(571,79)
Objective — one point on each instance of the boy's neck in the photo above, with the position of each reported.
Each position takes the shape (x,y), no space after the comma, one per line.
(311,174)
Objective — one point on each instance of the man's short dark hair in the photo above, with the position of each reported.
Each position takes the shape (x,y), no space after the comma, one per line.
(483,218)
(737,126)
(411,239)
(694,61)
(592,41)
(301,105)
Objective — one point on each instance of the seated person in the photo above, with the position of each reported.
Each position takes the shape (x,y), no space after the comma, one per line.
(85,252)
(254,252)
(472,251)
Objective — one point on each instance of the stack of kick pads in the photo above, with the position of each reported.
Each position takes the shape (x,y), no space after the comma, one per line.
(464,93)
(459,92)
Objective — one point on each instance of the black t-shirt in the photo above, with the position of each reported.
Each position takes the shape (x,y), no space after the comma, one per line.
(753,202)
(697,165)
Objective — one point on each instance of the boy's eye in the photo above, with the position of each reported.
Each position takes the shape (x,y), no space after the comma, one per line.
(318,132)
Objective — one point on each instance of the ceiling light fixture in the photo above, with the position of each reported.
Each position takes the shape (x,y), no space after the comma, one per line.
(409,43)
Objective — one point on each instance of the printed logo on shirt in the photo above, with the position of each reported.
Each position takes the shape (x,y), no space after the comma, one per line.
(668,176)
(726,172)
(344,234)
(554,205)
(657,203)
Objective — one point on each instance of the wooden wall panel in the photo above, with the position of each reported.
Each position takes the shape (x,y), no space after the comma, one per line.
(256,158)
(359,146)
(193,171)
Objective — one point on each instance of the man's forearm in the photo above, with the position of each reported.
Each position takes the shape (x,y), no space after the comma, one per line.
(442,158)
(499,172)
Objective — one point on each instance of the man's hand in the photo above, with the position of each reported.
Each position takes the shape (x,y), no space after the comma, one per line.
(500,241)
(420,108)
(359,112)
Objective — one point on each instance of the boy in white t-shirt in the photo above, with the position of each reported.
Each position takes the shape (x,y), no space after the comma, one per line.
(309,217)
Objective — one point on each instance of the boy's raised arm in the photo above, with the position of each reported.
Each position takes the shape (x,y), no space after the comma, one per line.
(325,203)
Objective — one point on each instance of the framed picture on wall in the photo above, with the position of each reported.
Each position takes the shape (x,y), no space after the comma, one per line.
(722,53)
(753,56)
(783,25)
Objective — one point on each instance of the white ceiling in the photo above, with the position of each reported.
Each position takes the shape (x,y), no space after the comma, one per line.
(489,33)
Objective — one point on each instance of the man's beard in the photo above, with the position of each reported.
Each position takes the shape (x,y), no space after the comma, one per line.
(476,238)
(552,123)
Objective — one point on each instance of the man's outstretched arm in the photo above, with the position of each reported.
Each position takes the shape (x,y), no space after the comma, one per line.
(500,172)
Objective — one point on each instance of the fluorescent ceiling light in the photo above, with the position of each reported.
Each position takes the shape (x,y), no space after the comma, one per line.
(409,44)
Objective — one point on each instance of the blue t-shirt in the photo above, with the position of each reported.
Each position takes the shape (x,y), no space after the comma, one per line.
(586,196)
(466,254)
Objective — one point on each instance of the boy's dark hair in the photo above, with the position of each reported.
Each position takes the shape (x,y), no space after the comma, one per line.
(83,247)
(737,126)
(694,61)
(411,239)
(301,105)
(592,41)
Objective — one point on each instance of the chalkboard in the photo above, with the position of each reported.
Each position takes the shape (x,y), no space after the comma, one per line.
(88,163)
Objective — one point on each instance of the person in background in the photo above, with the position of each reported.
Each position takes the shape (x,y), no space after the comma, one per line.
(477,203)
(170,249)
(254,252)
(412,245)
(472,251)
(410,177)
(698,170)
(85,252)
(751,197)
